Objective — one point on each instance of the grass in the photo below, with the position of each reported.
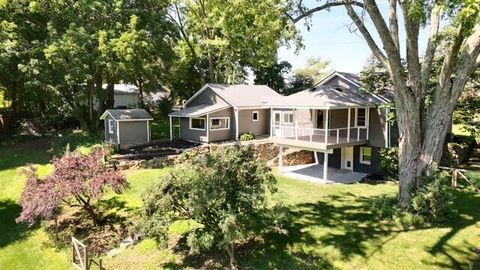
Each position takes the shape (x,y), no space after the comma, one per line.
(161,128)
(330,227)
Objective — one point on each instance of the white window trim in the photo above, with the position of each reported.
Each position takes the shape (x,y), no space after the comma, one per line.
(356,117)
(215,129)
(258,116)
(361,156)
(288,123)
(110,126)
(192,128)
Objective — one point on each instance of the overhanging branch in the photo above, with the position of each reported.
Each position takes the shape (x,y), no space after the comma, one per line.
(323,7)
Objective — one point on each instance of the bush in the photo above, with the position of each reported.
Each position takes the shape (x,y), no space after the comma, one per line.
(389,161)
(220,196)
(247,136)
(384,206)
(434,200)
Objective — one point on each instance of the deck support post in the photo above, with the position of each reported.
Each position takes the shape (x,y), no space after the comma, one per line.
(236,124)
(208,128)
(171,128)
(326,126)
(315,157)
(348,125)
(271,122)
(325,165)
(280,159)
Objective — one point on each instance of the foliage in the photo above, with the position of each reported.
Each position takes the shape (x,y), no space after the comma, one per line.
(297,83)
(316,69)
(77,180)
(247,136)
(389,161)
(384,206)
(165,105)
(273,75)
(375,78)
(223,193)
(434,200)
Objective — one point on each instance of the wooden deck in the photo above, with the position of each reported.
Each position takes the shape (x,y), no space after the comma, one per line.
(317,142)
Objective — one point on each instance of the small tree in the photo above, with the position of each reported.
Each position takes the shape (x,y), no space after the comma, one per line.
(77,181)
(223,193)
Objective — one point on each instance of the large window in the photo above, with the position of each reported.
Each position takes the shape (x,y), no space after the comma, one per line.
(366,155)
(197,123)
(219,123)
(288,118)
(361,116)
(110,126)
(255,116)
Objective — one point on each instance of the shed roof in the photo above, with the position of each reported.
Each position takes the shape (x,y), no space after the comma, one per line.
(241,95)
(127,115)
(199,110)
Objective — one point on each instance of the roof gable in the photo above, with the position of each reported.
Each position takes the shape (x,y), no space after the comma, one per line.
(127,115)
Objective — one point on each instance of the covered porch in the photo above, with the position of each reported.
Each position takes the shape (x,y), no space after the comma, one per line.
(314,173)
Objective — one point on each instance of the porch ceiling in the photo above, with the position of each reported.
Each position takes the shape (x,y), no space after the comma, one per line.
(315,146)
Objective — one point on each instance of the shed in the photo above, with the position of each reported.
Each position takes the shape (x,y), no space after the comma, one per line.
(126,128)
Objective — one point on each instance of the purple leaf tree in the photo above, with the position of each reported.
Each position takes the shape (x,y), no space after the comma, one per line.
(77,180)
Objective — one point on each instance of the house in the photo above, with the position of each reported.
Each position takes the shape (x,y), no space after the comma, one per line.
(344,126)
(127,95)
(219,112)
(126,128)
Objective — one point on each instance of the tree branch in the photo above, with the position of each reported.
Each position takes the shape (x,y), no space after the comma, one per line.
(394,23)
(451,55)
(431,47)
(368,37)
(323,7)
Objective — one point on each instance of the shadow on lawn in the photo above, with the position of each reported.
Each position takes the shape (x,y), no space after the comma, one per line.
(10,230)
(23,153)
(467,205)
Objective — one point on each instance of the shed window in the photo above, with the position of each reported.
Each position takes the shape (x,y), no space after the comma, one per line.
(197,123)
(288,118)
(255,116)
(219,123)
(361,116)
(366,155)
(110,126)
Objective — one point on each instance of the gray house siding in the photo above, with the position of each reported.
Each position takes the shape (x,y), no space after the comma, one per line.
(226,134)
(334,159)
(260,127)
(340,82)
(191,134)
(373,168)
(208,96)
(133,132)
(110,137)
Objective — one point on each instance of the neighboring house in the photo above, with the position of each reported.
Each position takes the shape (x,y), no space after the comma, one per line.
(344,126)
(220,112)
(126,128)
(127,95)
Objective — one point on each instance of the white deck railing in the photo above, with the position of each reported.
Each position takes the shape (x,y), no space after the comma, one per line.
(330,136)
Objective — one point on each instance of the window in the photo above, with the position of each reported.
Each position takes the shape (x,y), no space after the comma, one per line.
(361,116)
(255,116)
(110,126)
(366,155)
(288,118)
(219,123)
(276,119)
(197,123)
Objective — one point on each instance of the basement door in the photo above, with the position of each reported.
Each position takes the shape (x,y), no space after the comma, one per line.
(347,158)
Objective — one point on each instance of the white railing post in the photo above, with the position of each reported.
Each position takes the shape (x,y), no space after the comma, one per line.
(358,133)
(295,122)
(348,125)
(338,135)
(326,125)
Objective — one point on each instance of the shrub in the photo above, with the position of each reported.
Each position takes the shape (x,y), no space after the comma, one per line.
(247,136)
(434,200)
(384,206)
(389,161)
(221,196)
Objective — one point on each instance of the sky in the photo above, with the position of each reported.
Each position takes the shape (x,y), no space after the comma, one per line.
(330,39)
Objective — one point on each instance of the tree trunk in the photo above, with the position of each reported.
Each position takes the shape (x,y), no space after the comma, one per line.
(140,90)
(211,68)
(96,217)
(231,254)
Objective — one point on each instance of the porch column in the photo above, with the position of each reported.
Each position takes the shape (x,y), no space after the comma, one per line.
(315,156)
(208,128)
(295,123)
(367,120)
(348,125)
(236,124)
(325,165)
(280,159)
(171,128)
(271,122)
(326,125)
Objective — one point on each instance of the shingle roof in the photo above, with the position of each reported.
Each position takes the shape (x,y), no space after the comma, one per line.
(323,96)
(244,95)
(125,115)
(199,110)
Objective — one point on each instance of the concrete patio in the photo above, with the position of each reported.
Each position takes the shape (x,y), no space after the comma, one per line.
(314,173)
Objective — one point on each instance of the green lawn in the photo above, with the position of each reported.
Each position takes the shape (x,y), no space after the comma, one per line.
(330,227)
